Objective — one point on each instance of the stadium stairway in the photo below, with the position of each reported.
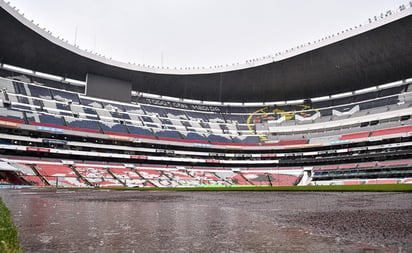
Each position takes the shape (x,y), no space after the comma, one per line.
(269,180)
(80,175)
(14,178)
(228,182)
(38,174)
(148,183)
(115,177)
(162,173)
(245,178)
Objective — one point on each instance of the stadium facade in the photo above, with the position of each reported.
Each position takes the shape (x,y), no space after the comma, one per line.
(333,111)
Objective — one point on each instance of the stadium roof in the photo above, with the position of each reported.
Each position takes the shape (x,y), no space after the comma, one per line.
(373,54)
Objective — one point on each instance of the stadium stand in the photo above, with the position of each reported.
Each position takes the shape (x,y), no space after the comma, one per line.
(53,133)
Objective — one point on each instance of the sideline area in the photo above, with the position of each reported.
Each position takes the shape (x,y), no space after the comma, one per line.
(366,188)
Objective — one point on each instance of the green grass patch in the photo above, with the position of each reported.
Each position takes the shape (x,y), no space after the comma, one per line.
(9,239)
(365,188)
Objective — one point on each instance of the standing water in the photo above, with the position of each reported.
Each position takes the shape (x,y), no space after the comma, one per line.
(134,221)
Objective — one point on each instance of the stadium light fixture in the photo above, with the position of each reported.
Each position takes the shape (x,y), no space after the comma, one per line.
(254,104)
(171,98)
(341,95)
(17,69)
(389,85)
(233,103)
(212,103)
(48,76)
(362,91)
(294,102)
(191,101)
(280,103)
(318,99)
(73,81)
(148,95)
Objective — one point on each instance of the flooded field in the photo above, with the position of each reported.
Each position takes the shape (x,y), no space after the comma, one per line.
(133,221)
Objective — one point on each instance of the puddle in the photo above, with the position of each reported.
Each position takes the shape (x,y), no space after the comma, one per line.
(110,221)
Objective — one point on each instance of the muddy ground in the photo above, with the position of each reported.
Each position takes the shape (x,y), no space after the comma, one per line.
(133,221)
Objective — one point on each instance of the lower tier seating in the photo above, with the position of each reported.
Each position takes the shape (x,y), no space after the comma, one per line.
(50,173)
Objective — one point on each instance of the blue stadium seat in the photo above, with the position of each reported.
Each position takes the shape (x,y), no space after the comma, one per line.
(153,110)
(44,118)
(197,115)
(113,127)
(169,134)
(24,107)
(39,92)
(186,123)
(374,104)
(365,96)
(246,139)
(391,91)
(90,102)
(118,107)
(11,114)
(89,110)
(81,123)
(139,130)
(219,138)
(134,109)
(166,122)
(195,136)
(61,95)
(32,90)
(63,107)
(235,118)
(146,119)
(176,113)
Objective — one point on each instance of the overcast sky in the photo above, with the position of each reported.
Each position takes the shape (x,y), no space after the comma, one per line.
(197,32)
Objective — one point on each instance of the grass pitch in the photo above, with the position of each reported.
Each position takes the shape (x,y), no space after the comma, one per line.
(9,240)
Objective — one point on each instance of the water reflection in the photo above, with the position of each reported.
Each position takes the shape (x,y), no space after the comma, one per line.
(96,221)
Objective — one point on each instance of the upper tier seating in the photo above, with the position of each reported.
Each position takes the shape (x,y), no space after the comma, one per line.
(11,115)
(214,138)
(109,127)
(65,96)
(32,90)
(34,118)
(225,126)
(168,134)
(140,131)
(85,125)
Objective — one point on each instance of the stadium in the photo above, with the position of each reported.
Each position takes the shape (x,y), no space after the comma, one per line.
(333,112)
